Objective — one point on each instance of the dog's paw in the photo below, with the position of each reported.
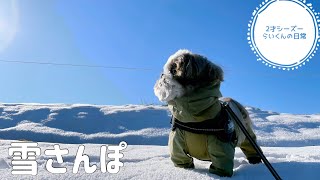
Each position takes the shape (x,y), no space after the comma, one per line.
(186,166)
(254,160)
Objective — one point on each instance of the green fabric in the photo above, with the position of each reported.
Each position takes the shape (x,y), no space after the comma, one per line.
(220,172)
(185,145)
(199,105)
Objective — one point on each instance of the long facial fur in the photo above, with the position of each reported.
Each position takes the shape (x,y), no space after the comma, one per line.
(167,89)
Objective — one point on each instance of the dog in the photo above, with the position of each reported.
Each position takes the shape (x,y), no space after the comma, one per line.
(190,84)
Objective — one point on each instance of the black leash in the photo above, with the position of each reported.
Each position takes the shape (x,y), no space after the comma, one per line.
(252,142)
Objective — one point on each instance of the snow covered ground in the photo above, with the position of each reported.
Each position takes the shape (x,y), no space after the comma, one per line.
(290,142)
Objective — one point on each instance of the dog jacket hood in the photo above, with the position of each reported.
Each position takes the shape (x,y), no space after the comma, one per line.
(196,106)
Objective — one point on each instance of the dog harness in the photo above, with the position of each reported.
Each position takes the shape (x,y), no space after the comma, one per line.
(221,126)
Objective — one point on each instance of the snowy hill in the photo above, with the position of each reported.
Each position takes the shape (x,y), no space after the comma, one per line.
(136,124)
(290,142)
(85,123)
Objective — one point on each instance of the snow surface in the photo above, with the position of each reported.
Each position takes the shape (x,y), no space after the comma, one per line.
(290,142)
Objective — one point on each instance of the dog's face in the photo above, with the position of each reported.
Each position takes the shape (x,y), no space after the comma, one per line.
(185,71)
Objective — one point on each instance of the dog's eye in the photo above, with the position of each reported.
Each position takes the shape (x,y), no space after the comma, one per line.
(173,69)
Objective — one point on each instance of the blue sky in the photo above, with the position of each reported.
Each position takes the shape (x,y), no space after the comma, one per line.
(141,34)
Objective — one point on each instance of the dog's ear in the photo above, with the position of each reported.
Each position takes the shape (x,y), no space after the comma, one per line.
(199,70)
(216,72)
(190,67)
